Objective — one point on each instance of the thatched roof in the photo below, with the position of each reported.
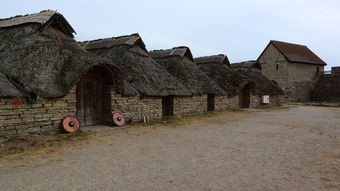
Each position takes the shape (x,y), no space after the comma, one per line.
(247,64)
(296,53)
(179,62)
(44,19)
(47,63)
(7,89)
(140,69)
(262,85)
(220,58)
(217,68)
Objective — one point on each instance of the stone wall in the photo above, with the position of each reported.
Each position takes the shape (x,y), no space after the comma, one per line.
(136,108)
(274,101)
(296,79)
(225,102)
(255,101)
(275,67)
(327,88)
(17,116)
(190,105)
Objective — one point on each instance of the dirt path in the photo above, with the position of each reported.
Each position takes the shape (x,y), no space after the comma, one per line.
(287,149)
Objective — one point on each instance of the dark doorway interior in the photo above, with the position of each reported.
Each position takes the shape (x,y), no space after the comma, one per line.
(211,102)
(168,106)
(245,97)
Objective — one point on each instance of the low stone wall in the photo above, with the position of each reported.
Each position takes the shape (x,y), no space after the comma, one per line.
(136,108)
(17,116)
(274,101)
(190,105)
(255,101)
(327,88)
(225,102)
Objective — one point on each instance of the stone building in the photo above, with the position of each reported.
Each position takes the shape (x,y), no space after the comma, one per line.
(217,67)
(327,87)
(295,68)
(179,62)
(259,91)
(153,83)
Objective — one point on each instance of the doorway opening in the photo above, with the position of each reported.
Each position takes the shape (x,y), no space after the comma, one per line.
(168,106)
(93,96)
(211,102)
(245,96)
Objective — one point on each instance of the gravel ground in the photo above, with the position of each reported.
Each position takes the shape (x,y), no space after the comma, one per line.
(286,149)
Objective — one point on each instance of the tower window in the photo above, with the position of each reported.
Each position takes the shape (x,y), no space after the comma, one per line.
(277,67)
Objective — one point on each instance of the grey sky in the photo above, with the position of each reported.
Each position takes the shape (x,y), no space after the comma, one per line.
(240,29)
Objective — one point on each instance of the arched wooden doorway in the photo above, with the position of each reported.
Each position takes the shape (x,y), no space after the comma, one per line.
(94,96)
(245,96)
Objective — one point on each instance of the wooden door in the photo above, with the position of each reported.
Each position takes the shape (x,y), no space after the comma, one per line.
(90,99)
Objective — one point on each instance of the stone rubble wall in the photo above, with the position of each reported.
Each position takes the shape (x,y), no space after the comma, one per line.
(42,116)
(225,103)
(190,105)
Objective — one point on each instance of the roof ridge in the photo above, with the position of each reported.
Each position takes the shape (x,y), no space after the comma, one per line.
(17,16)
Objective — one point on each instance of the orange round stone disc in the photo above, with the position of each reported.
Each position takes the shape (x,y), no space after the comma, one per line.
(118,119)
(70,124)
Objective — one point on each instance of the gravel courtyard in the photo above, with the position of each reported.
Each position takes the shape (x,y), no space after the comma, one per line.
(297,148)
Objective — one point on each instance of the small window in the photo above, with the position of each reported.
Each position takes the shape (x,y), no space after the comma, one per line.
(277,67)
(317,69)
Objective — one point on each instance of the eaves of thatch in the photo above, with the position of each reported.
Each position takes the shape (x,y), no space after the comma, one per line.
(261,84)
(180,63)
(7,89)
(140,69)
(47,63)
(217,68)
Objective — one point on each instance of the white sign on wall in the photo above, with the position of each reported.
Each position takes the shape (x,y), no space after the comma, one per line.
(265,99)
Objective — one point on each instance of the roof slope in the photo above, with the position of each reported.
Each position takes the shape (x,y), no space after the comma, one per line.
(43,18)
(7,89)
(262,85)
(140,69)
(46,63)
(297,53)
(217,68)
(179,62)
(220,58)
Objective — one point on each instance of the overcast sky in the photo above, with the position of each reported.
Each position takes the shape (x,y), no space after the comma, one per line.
(241,29)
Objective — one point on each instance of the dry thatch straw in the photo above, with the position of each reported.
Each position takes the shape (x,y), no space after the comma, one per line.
(7,89)
(262,85)
(39,54)
(141,70)
(217,67)
(179,62)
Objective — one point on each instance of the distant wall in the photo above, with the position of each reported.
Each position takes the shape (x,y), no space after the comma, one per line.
(274,101)
(225,102)
(136,108)
(327,88)
(190,104)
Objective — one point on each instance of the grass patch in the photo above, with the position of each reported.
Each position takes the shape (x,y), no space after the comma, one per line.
(35,142)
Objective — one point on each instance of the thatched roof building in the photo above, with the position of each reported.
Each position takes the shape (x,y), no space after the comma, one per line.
(39,54)
(7,89)
(262,85)
(217,67)
(180,63)
(141,70)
